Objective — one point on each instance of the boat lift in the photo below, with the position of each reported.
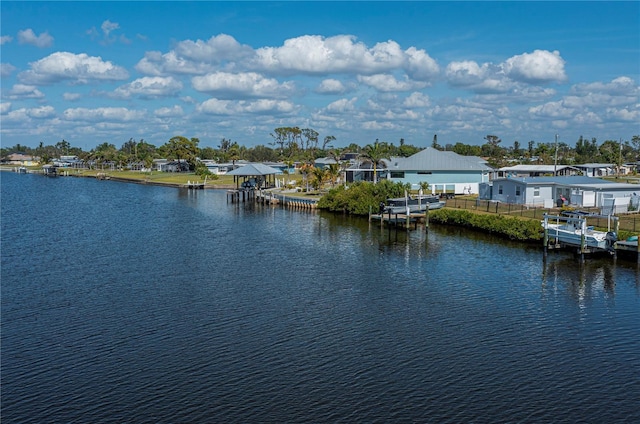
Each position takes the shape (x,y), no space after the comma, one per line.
(558,233)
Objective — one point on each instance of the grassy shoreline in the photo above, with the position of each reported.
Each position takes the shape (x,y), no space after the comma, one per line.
(520,228)
(169,179)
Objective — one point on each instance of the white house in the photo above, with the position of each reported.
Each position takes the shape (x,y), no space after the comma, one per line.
(597,169)
(444,171)
(535,171)
(579,191)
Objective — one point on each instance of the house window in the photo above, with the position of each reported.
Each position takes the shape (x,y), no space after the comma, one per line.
(424,172)
(499,189)
(397,174)
(517,190)
(536,192)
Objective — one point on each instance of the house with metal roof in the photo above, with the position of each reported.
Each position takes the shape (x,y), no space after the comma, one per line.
(444,171)
(578,191)
(536,171)
(601,169)
(324,162)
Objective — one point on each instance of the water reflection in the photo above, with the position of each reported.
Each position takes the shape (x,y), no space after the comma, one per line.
(584,280)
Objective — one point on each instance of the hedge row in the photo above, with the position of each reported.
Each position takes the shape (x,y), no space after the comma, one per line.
(511,227)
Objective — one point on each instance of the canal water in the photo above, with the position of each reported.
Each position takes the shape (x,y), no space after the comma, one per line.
(133,303)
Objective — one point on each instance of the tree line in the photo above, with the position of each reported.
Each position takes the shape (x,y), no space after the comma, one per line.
(296,145)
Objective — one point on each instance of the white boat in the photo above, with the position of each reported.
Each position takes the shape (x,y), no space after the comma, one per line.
(572,230)
(414,204)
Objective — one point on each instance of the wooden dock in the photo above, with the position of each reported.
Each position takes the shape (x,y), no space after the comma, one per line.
(400,220)
(628,248)
(194,185)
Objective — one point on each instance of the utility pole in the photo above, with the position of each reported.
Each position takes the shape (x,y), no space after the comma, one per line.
(620,158)
(555,162)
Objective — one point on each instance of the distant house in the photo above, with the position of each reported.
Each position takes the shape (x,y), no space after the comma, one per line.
(217,168)
(579,191)
(280,167)
(324,162)
(597,169)
(68,162)
(535,171)
(164,165)
(21,159)
(444,171)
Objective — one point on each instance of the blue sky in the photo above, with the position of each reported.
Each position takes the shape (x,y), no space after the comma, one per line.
(95,72)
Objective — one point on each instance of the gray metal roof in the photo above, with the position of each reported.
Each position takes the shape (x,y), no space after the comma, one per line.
(576,181)
(595,165)
(431,159)
(534,168)
(254,169)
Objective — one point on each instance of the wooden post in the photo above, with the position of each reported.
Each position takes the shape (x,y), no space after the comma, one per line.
(546,235)
(583,229)
(426,219)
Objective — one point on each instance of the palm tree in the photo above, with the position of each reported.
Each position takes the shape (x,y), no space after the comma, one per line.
(375,153)
(333,173)
(319,177)
(305,169)
(234,154)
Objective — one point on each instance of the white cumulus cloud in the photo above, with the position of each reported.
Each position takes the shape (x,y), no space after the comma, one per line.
(117,114)
(108,26)
(416,99)
(24,91)
(169,112)
(552,110)
(623,86)
(342,105)
(27,36)
(150,88)
(71,96)
(229,107)
(248,84)
(536,67)
(315,54)
(156,63)
(388,83)
(42,112)
(331,86)
(6,69)
(217,49)
(75,68)
(420,66)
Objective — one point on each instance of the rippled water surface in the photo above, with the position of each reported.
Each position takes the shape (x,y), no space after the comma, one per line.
(132,303)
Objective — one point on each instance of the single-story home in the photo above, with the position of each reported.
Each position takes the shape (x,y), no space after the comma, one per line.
(217,168)
(578,191)
(21,159)
(600,169)
(68,162)
(164,165)
(444,171)
(535,171)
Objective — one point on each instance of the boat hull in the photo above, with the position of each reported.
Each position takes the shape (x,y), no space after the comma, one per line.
(413,205)
(568,235)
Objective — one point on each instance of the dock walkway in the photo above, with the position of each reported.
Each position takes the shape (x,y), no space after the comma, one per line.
(400,219)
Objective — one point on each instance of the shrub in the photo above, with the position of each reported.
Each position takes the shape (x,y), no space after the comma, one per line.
(514,228)
(360,197)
